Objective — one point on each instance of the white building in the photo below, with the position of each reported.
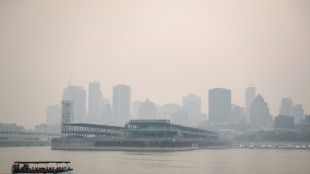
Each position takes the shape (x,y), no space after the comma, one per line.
(121,104)
(95,103)
(78,96)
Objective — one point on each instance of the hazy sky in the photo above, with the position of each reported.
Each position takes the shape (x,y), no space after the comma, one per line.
(163,49)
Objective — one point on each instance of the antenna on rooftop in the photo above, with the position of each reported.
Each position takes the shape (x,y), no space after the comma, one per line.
(249,79)
(70,78)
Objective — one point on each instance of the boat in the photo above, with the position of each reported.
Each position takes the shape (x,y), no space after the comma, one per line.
(41,167)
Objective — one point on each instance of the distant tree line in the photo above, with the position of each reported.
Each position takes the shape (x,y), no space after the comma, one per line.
(288,136)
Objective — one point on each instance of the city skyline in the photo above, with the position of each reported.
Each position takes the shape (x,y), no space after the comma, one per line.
(165,103)
(191,104)
(163,50)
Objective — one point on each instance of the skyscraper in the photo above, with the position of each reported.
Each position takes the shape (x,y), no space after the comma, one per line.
(286,107)
(289,109)
(107,112)
(259,113)
(165,111)
(66,111)
(283,121)
(95,103)
(121,104)
(53,115)
(78,96)
(250,95)
(219,105)
(135,109)
(147,110)
(237,113)
(298,113)
(192,105)
(179,117)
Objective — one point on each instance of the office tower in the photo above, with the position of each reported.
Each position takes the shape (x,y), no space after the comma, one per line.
(219,105)
(121,104)
(95,103)
(283,121)
(298,113)
(180,117)
(135,109)
(165,111)
(289,109)
(78,96)
(107,112)
(66,111)
(250,95)
(147,110)
(53,115)
(259,113)
(237,114)
(286,107)
(192,105)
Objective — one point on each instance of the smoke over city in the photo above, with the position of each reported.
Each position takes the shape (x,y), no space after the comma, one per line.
(155,86)
(163,50)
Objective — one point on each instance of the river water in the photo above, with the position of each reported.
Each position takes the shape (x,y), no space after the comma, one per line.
(207,161)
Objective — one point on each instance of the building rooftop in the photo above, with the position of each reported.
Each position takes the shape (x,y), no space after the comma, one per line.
(149,122)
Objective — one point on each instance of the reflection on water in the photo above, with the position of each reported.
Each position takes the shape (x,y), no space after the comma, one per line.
(241,161)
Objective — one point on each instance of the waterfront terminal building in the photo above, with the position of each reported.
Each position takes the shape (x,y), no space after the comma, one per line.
(136,135)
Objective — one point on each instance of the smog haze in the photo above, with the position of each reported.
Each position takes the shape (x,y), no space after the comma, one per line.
(164,50)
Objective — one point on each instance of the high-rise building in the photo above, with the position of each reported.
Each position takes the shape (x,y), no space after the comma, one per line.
(259,113)
(53,115)
(219,105)
(165,111)
(179,117)
(95,103)
(250,95)
(107,113)
(237,114)
(135,109)
(289,109)
(78,96)
(66,111)
(298,113)
(147,110)
(283,121)
(192,105)
(286,107)
(121,104)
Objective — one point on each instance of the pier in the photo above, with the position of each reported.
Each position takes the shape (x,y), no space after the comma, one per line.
(136,135)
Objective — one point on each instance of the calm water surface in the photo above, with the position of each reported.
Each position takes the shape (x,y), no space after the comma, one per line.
(209,161)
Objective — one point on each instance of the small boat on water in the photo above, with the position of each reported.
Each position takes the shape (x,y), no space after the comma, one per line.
(41,167)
